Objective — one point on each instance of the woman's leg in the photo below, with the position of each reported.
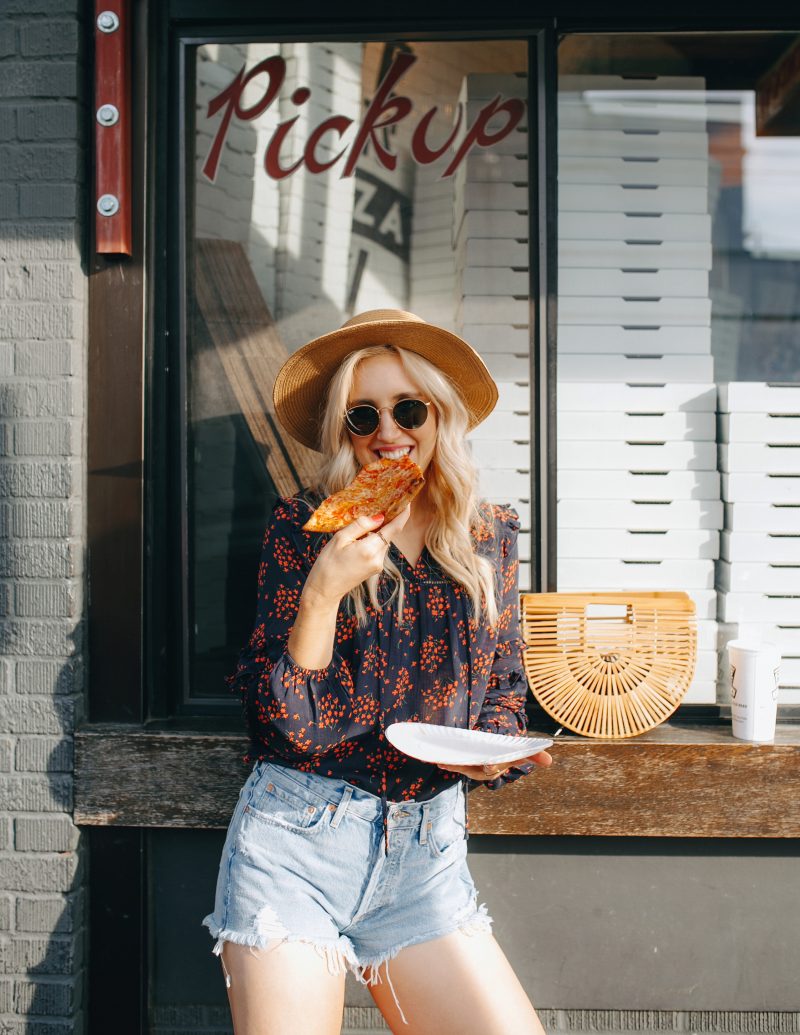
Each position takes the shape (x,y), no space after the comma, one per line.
(461,984)
(283,989)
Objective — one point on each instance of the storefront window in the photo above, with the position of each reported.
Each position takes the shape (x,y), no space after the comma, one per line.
(328,179)
(678,341)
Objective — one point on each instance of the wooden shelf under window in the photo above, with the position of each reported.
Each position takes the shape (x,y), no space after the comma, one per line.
(675,781)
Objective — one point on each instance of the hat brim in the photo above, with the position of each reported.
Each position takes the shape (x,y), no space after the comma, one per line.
(302,382)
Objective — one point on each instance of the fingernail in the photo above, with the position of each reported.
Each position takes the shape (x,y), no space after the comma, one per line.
(377,517)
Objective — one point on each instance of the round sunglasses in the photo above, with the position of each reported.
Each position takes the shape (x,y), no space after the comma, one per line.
(409,414)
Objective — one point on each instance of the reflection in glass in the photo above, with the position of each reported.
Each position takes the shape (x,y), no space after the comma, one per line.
(329,179)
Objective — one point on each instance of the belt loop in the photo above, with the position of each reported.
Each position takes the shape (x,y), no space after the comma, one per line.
(425,825)
(342,807)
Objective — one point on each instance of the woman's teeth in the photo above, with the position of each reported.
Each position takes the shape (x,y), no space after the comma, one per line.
(393,454)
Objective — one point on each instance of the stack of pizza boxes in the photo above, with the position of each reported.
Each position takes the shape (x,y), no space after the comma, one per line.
(432,263)
(638,487)
(490,239)
(758,575)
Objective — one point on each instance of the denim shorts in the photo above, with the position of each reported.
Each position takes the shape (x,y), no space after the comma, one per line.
(305,860)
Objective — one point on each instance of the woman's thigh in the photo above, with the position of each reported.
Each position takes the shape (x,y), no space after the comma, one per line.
(283,989)
(461,984)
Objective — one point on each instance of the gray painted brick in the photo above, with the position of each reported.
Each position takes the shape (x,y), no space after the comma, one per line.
(51,121)
(5,599)
(44,955)
(47,438)
(5,912)
(5,836)
(44,600)
(49,677)
(57,320)
(6,996)
(48,199)
(39,281)
(44,998)
(6,354)
(47,359)
(36,793)
(45,834)
(49,519)
(34,1026)
(57,7)
(37,715)
(6,754)
(44,755)
(42,915)
(35,162)
(37,638)
(8,39)
(48,39)
(32,873)
(6,676)
(40,560)
(9,201)
(30,241)
(45,478)
(37,399)
(27,79)
(8,122)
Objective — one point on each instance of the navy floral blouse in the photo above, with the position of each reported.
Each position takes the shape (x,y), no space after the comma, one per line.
(436,664)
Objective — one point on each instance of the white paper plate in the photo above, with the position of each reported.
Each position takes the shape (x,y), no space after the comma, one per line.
(449,745)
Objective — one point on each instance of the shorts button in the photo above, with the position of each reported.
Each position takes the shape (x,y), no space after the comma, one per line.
(270,786)
(311,810)
(332,808)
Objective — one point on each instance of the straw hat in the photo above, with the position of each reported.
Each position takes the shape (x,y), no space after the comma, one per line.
(302,382)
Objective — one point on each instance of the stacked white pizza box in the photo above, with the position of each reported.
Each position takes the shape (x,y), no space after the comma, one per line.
(638,487)
(758,574)
(489,236)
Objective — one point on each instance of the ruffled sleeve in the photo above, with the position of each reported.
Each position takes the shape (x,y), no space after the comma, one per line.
(503,708)
(292,712)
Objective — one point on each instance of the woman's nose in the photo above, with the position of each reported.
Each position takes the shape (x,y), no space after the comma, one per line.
(387,426)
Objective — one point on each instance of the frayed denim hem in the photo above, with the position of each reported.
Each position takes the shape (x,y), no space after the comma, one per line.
(476,922)
(339,956)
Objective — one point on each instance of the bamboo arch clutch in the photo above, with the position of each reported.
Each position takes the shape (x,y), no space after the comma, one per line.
(609,665)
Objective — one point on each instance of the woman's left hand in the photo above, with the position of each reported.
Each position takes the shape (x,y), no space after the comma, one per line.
(491,772)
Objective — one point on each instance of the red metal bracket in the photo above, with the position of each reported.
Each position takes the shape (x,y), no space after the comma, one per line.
(112,128)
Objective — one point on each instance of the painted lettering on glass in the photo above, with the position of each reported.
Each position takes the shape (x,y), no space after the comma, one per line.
(494,121)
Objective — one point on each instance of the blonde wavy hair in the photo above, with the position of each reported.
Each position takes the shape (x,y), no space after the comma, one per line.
(451,482)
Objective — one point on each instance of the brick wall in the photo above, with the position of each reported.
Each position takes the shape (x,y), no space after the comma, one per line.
(42,404)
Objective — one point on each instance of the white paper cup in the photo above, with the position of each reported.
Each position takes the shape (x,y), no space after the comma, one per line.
(754,689)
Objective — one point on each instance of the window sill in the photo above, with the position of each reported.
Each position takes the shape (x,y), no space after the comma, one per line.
(676,781)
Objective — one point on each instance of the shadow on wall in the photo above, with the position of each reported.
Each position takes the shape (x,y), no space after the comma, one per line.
(49,933)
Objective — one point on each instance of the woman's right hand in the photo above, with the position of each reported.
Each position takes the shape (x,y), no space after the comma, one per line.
(352,554)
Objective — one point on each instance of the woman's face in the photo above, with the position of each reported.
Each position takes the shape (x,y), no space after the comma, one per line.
(382,381)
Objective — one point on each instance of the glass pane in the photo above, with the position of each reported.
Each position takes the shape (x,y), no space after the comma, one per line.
(332,178)
(678,339)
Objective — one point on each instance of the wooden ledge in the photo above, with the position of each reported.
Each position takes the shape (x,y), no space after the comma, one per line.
(676,781)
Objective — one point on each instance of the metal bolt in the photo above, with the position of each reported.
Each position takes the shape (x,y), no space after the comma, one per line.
(107,115)
(108,205)
(107,21)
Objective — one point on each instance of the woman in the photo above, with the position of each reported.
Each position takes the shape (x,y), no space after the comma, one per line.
(343,853)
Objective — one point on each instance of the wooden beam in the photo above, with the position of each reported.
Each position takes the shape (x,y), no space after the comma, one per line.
(674,781)
(113,219)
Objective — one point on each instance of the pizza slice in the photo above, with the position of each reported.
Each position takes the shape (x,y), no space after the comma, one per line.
(383,487)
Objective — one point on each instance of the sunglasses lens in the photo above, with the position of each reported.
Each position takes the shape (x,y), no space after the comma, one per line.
(362,420)
(410,413)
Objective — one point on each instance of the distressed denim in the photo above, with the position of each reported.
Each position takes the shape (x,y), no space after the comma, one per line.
(305,860)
